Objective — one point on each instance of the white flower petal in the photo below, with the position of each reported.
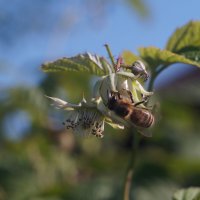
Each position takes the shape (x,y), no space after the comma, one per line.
(96,88)
(60,104)
(114,125)
(116,83)
(139,88)
(127,75)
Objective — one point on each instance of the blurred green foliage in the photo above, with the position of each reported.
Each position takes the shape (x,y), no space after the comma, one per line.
(49,163)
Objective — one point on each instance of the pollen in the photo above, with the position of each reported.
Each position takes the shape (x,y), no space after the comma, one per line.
(85,122)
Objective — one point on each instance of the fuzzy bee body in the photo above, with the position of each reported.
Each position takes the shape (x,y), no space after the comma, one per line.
(125,109)
(141,117)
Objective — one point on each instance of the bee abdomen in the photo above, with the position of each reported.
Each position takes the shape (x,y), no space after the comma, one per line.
(142,118)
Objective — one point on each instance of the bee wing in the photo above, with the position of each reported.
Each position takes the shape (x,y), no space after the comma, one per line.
(156,111)
(145,132)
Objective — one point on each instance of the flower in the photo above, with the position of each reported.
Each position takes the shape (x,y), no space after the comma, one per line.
(122,82)
(85,122)
(83,119)
(88,117)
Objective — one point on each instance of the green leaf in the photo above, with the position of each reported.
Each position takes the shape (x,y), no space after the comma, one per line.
(129,58)
(186,36)
(87,62)
(156,57)
(191,52)
(140,7)
(187,194)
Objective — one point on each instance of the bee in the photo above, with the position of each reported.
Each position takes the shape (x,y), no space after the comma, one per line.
(124,108)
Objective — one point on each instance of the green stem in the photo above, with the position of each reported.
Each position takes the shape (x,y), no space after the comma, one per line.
(127,186)
(135,143)
(154,75)
(161,69)
(131,166)
(110,55)
(151,82)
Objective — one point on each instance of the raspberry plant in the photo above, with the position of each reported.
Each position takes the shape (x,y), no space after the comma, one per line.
(88,117)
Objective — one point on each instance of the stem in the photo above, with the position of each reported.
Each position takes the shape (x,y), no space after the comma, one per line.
(135,143)
(154,75)
(151,82)
(161,69)
(127,186)
(131,166)
(110,54)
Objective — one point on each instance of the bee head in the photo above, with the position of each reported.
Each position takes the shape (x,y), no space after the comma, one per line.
(112,100)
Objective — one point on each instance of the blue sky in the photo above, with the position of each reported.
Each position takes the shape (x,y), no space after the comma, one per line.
(124,30)
(121,28)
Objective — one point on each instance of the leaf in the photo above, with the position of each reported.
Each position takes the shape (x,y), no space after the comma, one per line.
(87,62)
(129,58)
(140,7)
(187,194)
(186,36)
(156,57)
(191,52)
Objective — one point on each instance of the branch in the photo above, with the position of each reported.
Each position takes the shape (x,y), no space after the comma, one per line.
(130,171)
(127,186)
(110,55)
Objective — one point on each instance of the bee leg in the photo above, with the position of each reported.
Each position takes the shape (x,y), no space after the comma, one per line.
(113,93)
(118,94)
(145,98)
(131,95)
(140,102)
